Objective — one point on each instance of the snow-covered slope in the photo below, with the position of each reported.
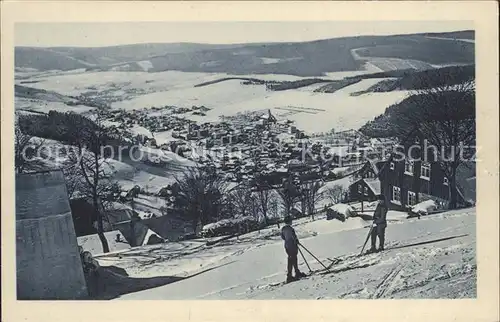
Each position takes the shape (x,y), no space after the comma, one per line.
(433,257)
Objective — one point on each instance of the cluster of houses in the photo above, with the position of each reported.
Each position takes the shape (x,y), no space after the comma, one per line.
(155,119)
(238,147)
(253,145)
(243,145)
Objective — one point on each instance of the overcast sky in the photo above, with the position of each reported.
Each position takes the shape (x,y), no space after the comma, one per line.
(108,34)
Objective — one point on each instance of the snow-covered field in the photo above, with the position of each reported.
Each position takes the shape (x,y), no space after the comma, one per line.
(387,63)
(312,112)
(431,257)
(44,106)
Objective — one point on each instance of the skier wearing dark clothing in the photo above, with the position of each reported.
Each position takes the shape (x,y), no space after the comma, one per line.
(292,249)
(379,225)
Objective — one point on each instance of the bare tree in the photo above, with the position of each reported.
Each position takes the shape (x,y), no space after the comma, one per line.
(24,148)
(72,176)
(274,208)
(311,196)
(335,193)
(445,115)
(264,197)
(201,192)
(242,199)
(89,137)
(287,200)
(255,210)
(289,194)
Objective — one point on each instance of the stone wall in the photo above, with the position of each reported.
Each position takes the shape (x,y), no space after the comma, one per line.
(47,257)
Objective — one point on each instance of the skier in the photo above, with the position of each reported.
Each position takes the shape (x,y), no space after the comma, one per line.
(292,250)
(379,225)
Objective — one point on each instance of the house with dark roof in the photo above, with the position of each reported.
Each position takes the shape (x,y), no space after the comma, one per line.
(411,176)
(83,213)
(407,177)
(170,228)
(366,185)
(134,231)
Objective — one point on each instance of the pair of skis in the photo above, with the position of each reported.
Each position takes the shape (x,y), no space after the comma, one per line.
(309,267)
(332,261)
(326,268)
(303,257)
(362,249)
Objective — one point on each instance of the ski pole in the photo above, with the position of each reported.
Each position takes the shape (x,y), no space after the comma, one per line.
(366,241)
(305,260)
(314,256)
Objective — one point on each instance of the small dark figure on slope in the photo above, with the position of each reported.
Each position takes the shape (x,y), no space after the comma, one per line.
(292,250)
(379,225)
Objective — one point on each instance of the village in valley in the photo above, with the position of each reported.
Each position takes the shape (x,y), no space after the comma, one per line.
(186,184)
(256,151)
(252,151)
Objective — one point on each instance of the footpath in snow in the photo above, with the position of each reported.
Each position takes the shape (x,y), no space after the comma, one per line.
(431,257)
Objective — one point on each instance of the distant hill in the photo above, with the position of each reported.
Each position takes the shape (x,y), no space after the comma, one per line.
(313,58)
(68,58)
(104,56)
(395,80)
(466,34)
(43,59)
(415,80)
(41,94)
(383,125)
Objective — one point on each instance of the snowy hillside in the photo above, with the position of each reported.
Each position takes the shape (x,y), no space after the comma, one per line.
(431,257)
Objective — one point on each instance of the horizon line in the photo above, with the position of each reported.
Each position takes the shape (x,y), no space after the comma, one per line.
(245,44)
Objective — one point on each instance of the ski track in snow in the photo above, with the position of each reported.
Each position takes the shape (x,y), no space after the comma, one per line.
(433,257)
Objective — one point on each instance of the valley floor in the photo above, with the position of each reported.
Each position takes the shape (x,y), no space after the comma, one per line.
(431,257)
